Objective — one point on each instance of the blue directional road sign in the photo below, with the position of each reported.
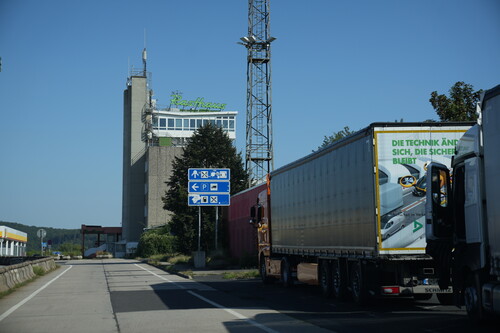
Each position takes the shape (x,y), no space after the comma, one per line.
(209,174)
(208,199)
(209,187)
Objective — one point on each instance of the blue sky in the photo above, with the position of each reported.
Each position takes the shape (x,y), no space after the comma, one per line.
(334,64)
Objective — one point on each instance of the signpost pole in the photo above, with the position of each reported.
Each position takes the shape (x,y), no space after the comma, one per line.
(41,233)
(199,228)
(208,187)
(216,225)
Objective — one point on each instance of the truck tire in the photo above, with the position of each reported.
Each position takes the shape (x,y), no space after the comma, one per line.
(286,273)
(339,281)
(358,284)
(326,279)
(473,298)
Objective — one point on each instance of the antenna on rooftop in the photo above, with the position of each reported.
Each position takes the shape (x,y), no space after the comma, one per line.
(144,54)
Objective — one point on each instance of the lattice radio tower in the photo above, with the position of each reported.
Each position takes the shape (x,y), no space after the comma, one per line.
(259,137)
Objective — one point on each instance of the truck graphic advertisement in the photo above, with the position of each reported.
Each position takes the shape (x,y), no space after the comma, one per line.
(402,156)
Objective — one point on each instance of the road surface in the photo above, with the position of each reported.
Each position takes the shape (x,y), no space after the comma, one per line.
(129,296)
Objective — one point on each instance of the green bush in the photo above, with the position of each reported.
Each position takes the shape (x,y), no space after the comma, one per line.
(39,271)
(152,243)
(70,249)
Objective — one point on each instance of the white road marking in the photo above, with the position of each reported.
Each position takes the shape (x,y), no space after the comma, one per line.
(161,277)
(217,305)
(234,313)
(413,205)
(18,305)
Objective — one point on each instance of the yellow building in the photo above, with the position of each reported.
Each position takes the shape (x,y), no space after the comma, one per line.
(12,242)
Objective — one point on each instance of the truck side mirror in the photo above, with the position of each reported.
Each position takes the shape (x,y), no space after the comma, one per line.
(256,213)
(252,214)
(438,213)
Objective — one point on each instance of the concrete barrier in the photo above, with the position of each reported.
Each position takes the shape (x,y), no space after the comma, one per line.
(12,275)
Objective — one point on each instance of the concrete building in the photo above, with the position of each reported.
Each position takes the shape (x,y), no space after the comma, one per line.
(152,137)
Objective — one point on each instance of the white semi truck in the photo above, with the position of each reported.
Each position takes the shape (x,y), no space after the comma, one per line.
(463,214)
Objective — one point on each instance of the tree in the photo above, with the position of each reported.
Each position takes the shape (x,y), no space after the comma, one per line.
(153,242)
(209,147)
(335,137)
(460,106)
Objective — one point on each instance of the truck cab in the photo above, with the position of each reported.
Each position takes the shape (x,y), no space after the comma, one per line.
(463,215)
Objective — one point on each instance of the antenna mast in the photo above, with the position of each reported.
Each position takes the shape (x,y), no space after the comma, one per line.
(259,142)
(144,55)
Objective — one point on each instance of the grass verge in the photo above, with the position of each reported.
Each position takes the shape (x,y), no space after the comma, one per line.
(241,275)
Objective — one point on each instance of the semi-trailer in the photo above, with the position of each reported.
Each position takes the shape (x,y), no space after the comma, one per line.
(463,215)
(345,217)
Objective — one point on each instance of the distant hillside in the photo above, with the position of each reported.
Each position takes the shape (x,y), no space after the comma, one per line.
(57,236)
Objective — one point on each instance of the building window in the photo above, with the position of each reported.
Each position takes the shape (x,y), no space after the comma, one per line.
(163,123)
(170,124)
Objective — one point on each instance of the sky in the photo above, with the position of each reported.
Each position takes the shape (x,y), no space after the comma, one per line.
(335,63)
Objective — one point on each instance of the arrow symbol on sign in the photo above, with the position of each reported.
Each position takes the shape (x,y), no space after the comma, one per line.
(194,187)
(196,198)
(417,226)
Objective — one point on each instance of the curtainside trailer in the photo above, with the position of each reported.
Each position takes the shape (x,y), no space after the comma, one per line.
(349,218)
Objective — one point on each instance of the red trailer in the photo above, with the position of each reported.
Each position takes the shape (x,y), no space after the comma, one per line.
(242,234)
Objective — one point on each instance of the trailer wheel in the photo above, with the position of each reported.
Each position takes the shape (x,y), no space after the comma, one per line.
(286,273)
(339,281)
(326,279)
(358,288)
(473,298)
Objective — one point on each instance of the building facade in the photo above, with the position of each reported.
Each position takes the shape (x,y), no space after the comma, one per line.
(152,137)
(12,242)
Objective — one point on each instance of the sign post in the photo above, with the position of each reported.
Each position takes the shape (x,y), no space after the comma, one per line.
(208,187)
(41,233)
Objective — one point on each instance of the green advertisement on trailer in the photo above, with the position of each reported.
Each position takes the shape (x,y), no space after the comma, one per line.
(402,156)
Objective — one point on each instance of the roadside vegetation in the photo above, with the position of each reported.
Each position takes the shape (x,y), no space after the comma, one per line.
(158,249)
(251,274)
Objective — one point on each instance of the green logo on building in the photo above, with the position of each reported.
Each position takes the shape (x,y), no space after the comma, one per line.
(199,103)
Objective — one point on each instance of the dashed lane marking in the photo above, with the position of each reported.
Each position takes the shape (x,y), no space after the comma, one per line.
(18,305)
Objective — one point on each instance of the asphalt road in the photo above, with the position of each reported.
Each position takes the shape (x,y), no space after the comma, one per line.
(305,303)
(129,296)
